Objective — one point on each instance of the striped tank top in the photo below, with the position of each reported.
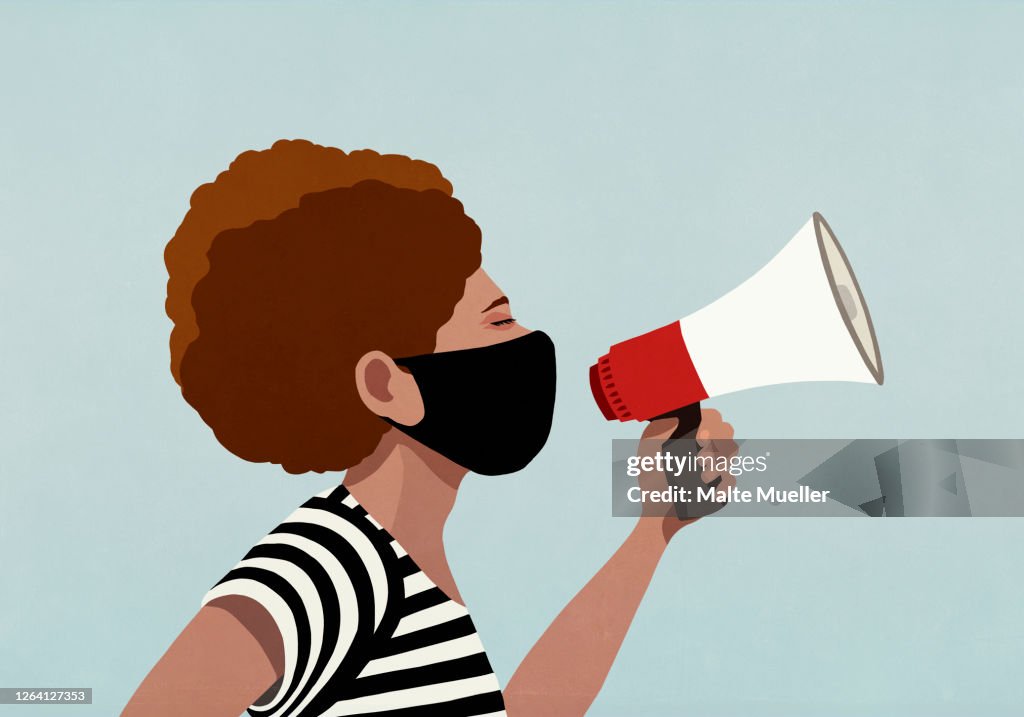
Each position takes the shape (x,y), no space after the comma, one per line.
(365,631)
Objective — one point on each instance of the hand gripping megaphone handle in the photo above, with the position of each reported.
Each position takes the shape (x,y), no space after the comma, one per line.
(684,441)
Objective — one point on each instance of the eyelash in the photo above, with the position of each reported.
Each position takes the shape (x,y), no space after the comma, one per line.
(503,322)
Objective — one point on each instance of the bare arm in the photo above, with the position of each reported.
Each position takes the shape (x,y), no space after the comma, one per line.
(215,667)
(564,671)
(562,674)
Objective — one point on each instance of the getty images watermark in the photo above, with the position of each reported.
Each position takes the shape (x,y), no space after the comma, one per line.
(674,466)
(822,478)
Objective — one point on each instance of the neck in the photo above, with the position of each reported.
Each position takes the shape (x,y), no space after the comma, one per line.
(407,488)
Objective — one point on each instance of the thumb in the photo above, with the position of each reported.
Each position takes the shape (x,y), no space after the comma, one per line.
(659,429)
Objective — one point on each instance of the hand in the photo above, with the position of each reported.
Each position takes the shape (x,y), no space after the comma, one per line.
(715,438)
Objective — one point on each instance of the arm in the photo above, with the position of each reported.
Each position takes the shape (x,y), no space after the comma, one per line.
(215,667)
(565,669)
(563,672)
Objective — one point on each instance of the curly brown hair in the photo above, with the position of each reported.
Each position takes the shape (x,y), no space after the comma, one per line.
(295,262)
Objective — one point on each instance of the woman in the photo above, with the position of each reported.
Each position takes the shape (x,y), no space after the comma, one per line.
(331,314)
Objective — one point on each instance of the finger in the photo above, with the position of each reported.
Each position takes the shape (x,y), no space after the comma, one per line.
(660,429)
(728,447)
(710,463)
(713,471)
(710,415)
(709,476)
(728,482)
(720,448)
(711,430)
(707,435)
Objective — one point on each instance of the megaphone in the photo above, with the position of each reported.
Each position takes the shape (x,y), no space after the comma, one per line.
(802,317)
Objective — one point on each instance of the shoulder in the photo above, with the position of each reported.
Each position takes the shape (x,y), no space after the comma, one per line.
(310,592)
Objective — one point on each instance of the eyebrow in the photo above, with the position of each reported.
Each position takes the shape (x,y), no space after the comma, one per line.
(497,302)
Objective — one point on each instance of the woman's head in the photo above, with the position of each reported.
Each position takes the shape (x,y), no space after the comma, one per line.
(302,266)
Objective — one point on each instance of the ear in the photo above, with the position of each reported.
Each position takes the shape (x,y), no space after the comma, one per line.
(387,390)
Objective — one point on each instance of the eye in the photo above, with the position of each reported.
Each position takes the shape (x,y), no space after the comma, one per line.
(503,322)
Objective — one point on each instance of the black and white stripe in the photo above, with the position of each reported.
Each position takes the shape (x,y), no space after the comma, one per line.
(365,631)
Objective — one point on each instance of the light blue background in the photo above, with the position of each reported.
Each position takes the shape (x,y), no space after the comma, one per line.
(628,163)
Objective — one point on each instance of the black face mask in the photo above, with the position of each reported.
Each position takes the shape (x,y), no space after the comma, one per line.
(487,409)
